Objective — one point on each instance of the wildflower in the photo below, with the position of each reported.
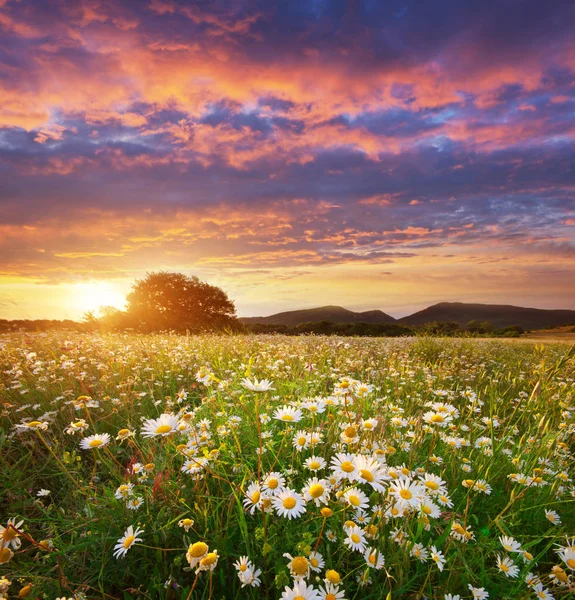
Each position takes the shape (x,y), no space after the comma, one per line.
(288,503)
(478,593)
(124,491)
(370,471)
(507,566)
(315,463)
(316,490)
(567,555)
(343,467)
(257,386)
(32,425)
(288,414)
(406,493)
(510,544)
(78,426)
(542,593)
(463,534)
(5,554)
(300,591)
(129,538)
(419,552)
(250,576)
(164,425)
(331,592)
(437,556)
(374,558)
(196,552)
(434,484)
(208,562)
(135,503)
(300,441)
(452,597)
(253,499)
(332,576)
(316,562)
(124,434)
(186,523)
(355,539)
(43,493)
(95,441)
(9,537)
(299,567)
(553,517)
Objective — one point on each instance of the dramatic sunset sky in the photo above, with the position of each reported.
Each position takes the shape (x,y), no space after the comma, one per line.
(373,154)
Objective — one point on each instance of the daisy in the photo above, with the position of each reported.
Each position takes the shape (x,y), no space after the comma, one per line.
(355,539)
(98,440)
(134,503)
(273,483)
(343,466)
(41,493)
(374,558)
(300,591)
(429,509)
(208,562)
(437,556)
(263,385)
(164,425)
(186,523)
(196,552)
(434,484)
(124,491)
(407,493)
(419,552)
(553,517)
(250,577)
(288,503)
(288,414)
(356,498)
(300,440)
(542,592)
(299,567)
(315,463)
(32,425)
(253,499)
(331,592)
(478,593)
(316,562)
(9,536)
(510,544)
(567,555)
(129,538)
(369,470)
(317,491)
(243,564)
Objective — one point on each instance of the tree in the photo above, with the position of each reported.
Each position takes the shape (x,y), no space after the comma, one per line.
(178,302)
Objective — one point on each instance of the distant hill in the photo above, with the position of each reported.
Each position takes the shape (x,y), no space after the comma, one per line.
(335,314)
(500,315)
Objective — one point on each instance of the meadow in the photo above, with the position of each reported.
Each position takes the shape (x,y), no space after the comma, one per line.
(300,468)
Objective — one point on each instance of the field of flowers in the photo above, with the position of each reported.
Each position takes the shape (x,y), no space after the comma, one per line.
(296,468)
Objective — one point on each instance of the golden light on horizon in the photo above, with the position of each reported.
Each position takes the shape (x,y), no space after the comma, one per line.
(94,295)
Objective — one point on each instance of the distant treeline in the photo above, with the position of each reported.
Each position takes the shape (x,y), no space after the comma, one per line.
(119,321)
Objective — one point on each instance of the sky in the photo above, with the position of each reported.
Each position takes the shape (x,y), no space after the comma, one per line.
(370,154)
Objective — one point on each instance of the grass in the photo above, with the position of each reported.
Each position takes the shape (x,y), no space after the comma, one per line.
(493,420)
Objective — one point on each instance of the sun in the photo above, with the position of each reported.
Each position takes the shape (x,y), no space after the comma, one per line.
(91,296)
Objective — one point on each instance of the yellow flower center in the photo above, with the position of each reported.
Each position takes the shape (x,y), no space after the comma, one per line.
(431,485)
(273,483)
(394,511)
(129,541)
(458,529)
(314,464)
(504,567)
(326,512)
(316,490)
(314,562)
(289,503)
(300,565)
(255,497)
(570,563)
(299,598)
(9,534)
(209,559)
(332,576)
(355,538)
(187,522)
(405,494)
(350,431)
(198,549)
(437,419)
(330,597)
(354,500)
(405,471)
(393,473)
(95,443)
(34,423)
(371,559)
(365,474)
(5,555)
(426,509)
(243,568)
(163,429)
(123,432)
(347,466)
(301,441)
(368,425)
(287,418)
(371,529)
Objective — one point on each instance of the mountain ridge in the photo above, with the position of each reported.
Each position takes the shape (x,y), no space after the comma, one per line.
(500,315)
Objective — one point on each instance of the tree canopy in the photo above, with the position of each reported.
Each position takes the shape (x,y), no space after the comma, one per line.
(178,302)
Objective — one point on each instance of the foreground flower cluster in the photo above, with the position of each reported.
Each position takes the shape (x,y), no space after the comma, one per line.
(292,468)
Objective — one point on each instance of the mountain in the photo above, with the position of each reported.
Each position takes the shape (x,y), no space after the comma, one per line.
(500,315)
(335,314)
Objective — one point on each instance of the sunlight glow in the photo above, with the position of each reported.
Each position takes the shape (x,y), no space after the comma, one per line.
(92,296)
